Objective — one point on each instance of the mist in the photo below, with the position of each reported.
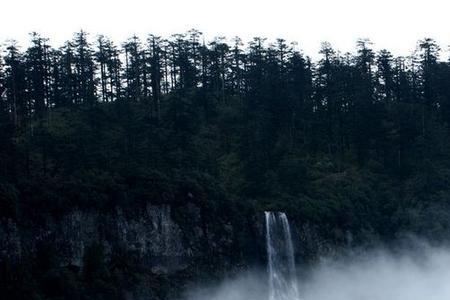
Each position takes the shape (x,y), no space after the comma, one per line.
(422,273)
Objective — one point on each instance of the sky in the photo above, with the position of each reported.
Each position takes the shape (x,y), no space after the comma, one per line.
(393,24)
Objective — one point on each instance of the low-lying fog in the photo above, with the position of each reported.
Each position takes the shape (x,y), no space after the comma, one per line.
(420,274)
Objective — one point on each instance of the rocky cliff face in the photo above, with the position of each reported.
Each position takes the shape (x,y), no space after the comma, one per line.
(165,239)
(158,240)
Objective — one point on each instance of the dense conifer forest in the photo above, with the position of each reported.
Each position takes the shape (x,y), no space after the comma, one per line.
(348,142)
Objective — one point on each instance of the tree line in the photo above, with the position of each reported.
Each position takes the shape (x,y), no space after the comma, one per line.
(361,101)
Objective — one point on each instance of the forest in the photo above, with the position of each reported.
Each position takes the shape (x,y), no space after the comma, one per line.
(349,143)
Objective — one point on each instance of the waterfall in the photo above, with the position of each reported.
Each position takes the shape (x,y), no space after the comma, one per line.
(281,263)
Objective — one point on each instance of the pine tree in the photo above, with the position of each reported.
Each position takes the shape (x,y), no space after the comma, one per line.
(38,67)
(84,67)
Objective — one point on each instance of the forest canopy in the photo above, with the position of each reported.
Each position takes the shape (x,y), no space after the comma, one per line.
(351,141)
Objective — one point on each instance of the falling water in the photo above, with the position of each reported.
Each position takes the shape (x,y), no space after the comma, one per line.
(280,252)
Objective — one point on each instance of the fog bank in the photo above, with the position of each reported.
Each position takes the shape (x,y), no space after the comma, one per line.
(376,275)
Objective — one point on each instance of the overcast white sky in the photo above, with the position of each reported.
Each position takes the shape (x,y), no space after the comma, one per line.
(392,24)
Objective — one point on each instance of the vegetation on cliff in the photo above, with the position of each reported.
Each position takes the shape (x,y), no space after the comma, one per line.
(350,143)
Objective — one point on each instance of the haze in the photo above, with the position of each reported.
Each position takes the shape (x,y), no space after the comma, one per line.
(396,25)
